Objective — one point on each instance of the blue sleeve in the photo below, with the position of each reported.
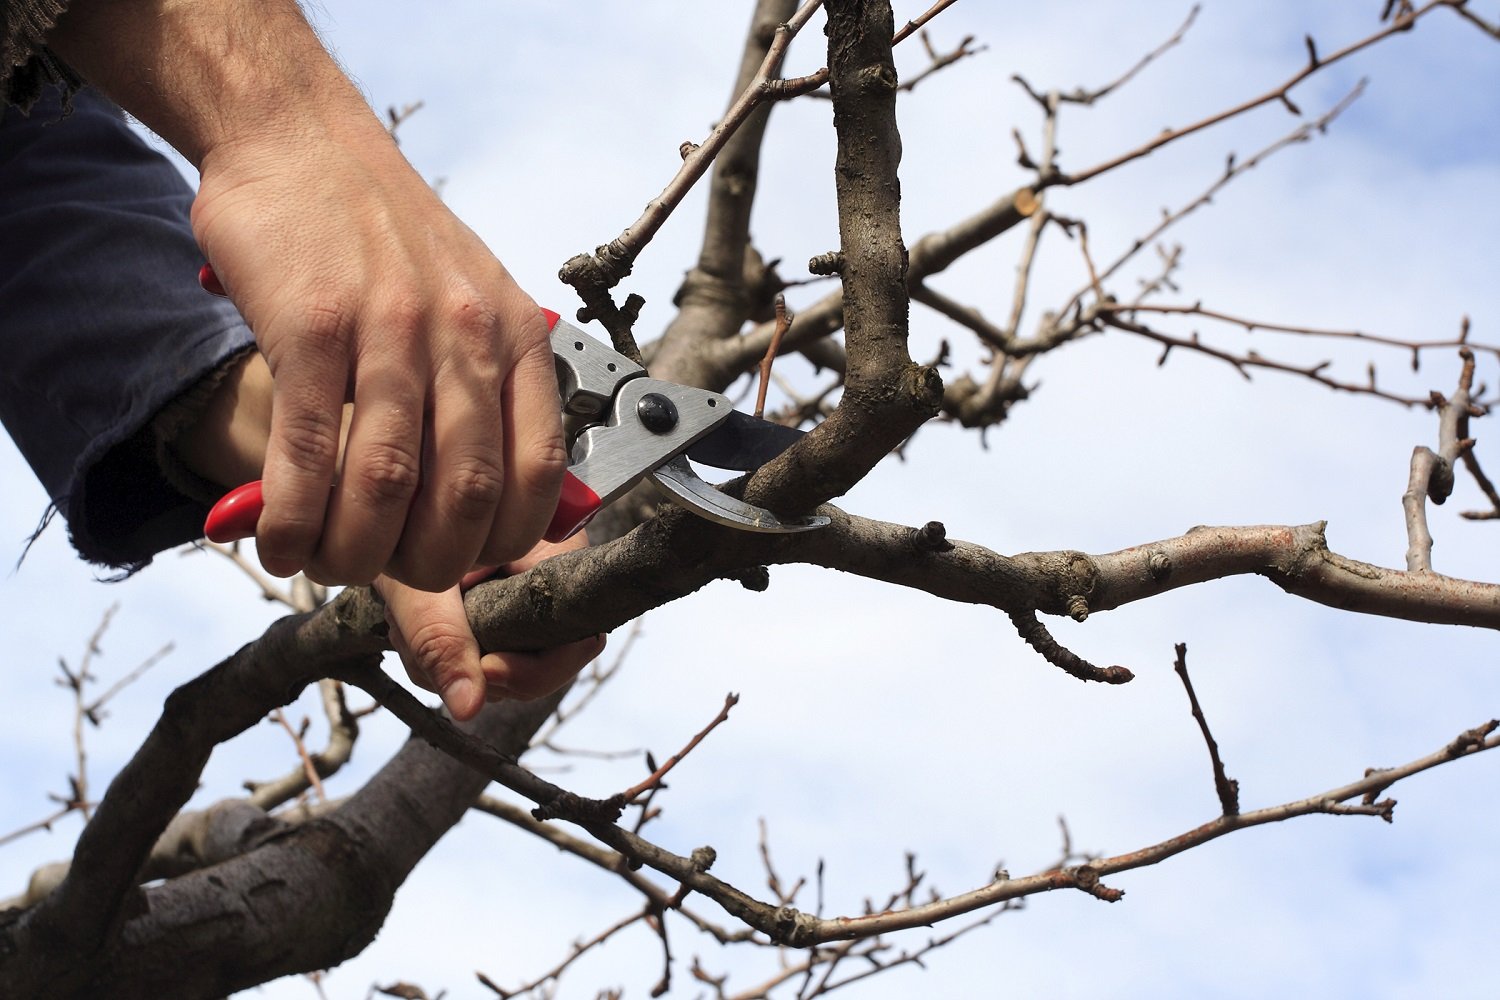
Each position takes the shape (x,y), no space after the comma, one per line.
(102,322)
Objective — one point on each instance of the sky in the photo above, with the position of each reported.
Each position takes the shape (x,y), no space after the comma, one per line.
(875,721)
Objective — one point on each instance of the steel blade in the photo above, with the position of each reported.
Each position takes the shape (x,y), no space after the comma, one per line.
(743,443)
(678,478)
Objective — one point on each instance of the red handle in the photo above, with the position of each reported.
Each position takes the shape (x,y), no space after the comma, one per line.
(238,512)
(235,515)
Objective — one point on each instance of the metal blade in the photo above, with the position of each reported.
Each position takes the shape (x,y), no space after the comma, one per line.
(702,499)
(743,443)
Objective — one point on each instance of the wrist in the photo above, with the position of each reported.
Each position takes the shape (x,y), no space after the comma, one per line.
(225,441)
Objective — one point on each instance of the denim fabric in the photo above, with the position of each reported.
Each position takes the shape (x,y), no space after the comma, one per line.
(102,322)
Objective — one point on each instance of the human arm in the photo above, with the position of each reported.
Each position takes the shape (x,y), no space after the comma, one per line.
(358,284)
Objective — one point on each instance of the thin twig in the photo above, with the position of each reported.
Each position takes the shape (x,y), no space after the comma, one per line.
(1227,788)
(308,768)
(95,708)
(1256,325)
(1401,23)
(784,318)
(1233,168)
(1082,96)
(635,791)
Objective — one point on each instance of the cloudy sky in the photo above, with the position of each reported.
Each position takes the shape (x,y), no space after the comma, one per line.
(875,721)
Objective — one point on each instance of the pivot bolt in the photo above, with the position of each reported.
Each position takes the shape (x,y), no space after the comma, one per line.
(658,413)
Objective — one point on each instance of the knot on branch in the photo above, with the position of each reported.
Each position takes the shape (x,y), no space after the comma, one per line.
(791,927)
(1039,639)
(576,808)
(1471,740)
(1086,877)
(926,389)
(1159,565)
(878,79)
(592,277)
(360,610)
(594,274)
(930,538)
(703,858)
(756,579)
(827,264)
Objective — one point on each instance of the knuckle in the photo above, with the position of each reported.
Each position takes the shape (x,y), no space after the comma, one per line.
(473,314)
(311,438)
(474,488)
(402,314)
(325,317)
(473,324)
(388,474)
(304,329)
(540,466)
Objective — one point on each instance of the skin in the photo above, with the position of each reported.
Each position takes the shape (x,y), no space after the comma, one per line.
(362,289)
(228,444)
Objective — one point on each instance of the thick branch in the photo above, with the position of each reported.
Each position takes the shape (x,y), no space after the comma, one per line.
(886,396)
(81,914)
(1296,559)
(339,875)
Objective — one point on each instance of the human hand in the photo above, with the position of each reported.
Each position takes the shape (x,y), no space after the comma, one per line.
(360,286)
(437,646)
(358,282)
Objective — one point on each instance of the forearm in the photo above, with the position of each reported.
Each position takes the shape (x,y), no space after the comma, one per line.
(210,75)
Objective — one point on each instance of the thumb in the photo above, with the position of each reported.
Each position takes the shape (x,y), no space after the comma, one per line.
(431,634)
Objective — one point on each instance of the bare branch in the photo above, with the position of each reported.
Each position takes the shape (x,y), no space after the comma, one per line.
(1463,10)
(1403,22)
(1233,168)
(1256,325)
(654,779)
(1227,788)
(1088,97)
(783,322)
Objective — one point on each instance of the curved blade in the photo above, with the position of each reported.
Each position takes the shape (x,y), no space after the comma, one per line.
(743,443)
(678,478)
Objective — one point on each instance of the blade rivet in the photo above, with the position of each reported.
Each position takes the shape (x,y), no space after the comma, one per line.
(657,413)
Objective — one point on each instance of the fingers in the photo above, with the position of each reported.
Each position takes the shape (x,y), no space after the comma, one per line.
(438,649)
(525,676)
(309,378)
(438,473)
(432,635)
(380,473)
(534,453)
(357,280)
(465,474)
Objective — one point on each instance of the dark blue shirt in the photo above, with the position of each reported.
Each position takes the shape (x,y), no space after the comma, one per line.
(102,322)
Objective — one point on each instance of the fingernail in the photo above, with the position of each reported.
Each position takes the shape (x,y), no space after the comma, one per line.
(459,695)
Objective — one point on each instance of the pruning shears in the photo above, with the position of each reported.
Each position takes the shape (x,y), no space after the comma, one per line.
(622,426)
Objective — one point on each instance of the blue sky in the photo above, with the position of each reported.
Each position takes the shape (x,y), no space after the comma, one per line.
(875,721)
